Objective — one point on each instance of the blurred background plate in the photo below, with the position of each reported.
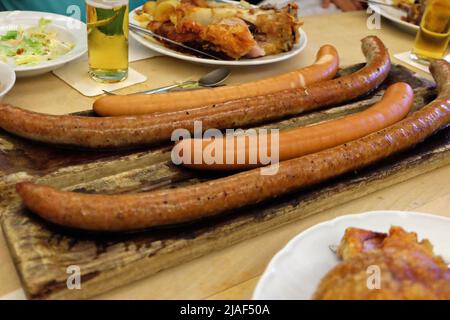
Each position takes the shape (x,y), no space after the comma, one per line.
(394,15)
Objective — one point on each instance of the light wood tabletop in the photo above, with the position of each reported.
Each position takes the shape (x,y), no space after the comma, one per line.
(232,273)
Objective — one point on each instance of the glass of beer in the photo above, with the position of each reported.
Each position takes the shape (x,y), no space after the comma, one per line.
(107,27)
(434,33)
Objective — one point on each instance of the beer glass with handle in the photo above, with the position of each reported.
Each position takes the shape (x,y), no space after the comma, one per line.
(434,32)
(107,25)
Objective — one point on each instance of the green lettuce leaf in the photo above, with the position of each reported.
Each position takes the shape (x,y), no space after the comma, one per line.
(10,35)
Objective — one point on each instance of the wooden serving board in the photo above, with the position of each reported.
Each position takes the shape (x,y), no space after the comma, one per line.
(42,252)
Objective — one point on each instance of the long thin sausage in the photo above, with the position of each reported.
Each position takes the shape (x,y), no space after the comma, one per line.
(254,150)
(114,132)
(325,68)
(162,207)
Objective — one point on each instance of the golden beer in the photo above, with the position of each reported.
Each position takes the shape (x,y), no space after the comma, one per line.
(434,33)
(107,24)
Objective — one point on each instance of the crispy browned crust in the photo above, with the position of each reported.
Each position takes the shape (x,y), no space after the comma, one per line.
(275,30)
(414,11)
(138,211)
(408,269)
(357,241)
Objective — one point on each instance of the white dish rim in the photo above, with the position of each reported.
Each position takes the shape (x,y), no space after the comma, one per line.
(10,85)
(258,291)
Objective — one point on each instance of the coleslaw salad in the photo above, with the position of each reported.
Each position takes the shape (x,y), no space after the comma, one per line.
(31,46)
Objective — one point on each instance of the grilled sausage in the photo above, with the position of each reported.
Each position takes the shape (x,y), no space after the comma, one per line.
(162,207)
(255,150)
(114,132)
(325,68)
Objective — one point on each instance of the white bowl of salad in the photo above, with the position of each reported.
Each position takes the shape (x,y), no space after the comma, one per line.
(34,43)
(7,79)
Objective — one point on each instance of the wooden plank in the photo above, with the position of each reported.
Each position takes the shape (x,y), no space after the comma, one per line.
(111,260)
(43,252)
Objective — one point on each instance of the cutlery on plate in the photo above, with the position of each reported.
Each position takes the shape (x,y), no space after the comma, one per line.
(211,79)
(137,28)
(380,3)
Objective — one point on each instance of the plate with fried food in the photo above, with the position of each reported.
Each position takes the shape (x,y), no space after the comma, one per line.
(227,32)
(374,255)
(405,13)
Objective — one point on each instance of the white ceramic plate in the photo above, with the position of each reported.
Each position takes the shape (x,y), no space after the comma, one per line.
(394,15)
(68,29)
(7,79)
(160,48)
(295,271)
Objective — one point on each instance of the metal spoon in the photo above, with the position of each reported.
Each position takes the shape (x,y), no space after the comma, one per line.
(210,79)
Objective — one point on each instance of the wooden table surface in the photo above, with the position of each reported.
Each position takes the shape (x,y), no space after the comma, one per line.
(233,273)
